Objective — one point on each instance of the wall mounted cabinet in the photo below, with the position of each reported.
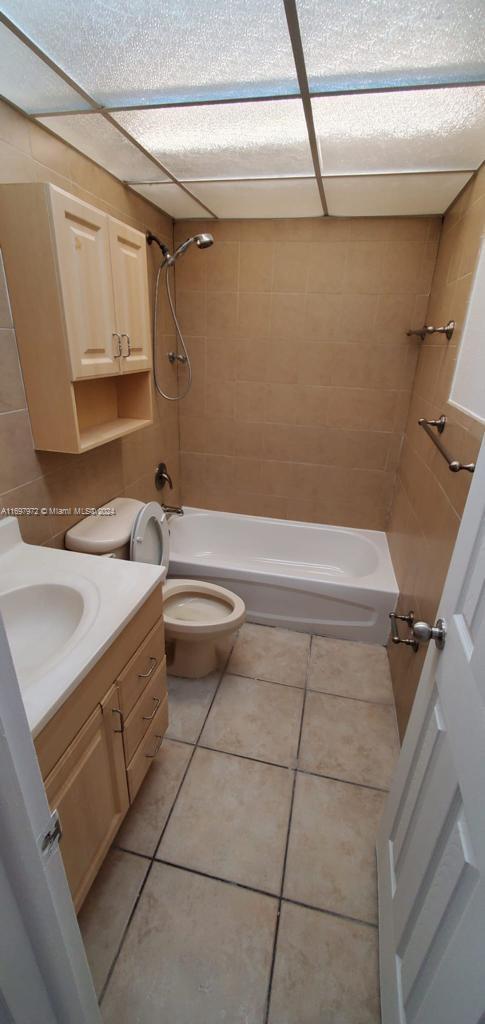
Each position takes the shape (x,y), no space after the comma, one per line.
(78,282)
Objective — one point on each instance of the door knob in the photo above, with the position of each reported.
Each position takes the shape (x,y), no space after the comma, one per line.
(423,633)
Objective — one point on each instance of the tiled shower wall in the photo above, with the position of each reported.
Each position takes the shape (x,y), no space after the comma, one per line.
(429,500)
(302,368)
(29,478)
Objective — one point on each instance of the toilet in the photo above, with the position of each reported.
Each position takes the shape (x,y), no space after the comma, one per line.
(200,618)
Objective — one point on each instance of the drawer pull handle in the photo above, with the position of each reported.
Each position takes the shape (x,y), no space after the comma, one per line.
(157,748)
(116,711)
(153,665)
(157,702)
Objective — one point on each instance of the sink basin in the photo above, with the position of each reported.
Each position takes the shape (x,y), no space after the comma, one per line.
(41,621)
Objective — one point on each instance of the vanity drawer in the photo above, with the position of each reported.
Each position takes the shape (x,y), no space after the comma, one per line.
(147,750)
(141,668)
(145,711)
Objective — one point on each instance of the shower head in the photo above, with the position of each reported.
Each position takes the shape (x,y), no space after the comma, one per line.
(202,242)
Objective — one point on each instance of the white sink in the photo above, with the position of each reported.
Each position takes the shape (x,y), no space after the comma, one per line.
(41,619)
(61,611)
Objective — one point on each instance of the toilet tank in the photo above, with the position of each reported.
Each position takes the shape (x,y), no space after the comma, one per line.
(107,531)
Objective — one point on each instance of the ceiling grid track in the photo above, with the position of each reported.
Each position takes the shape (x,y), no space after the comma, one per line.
(97,109)
(298,56)
(320,134)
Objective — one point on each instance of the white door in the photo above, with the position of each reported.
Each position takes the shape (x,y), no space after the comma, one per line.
(130,284)
(83,257)
(431,844)
(44,975)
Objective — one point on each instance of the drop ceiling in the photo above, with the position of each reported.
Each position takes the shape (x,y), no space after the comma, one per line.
(260,108)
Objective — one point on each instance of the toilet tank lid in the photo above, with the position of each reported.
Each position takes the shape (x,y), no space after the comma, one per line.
(109,529)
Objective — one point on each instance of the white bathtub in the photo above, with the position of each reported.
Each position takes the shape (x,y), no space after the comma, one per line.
(319,579)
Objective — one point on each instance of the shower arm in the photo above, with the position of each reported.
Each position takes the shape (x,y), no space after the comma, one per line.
(422,332)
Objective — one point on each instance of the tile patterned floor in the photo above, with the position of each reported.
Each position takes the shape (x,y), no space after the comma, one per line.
(242,887)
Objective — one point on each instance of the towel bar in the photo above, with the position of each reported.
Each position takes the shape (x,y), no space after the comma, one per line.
(453,464)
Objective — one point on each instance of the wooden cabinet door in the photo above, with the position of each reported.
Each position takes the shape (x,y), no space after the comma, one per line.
(81,236)
(130,285)
(89,789)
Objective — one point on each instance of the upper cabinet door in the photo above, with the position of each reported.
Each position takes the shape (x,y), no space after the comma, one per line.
(130,284)
(81,236)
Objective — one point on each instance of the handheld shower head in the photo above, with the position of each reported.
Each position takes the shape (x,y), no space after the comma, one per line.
(202,242)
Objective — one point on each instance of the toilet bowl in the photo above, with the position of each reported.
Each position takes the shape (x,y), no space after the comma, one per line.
(200,618)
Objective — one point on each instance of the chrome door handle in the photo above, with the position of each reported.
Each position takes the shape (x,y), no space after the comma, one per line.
(424,633)
(118,336)
(128,345)
(157,748)
(153,665)
(157,702)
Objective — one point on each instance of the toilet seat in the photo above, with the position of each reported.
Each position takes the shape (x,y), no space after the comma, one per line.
(150,536)
(230,617)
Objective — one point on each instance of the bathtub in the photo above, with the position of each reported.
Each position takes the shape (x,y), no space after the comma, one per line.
(328,580)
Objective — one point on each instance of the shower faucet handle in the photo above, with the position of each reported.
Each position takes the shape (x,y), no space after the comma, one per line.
(162,477)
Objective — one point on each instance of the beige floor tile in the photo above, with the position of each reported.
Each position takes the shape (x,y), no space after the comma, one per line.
(144,822)
(105,913)
(350,669)
(326,970)
(349,739)
(255,718)
(331,853)
(198,951)
(188,703)
(230,820)
(279,655)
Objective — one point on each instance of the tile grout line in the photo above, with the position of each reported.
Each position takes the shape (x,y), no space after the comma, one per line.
(153,857)
(248,888)
(325,693)
(287,844)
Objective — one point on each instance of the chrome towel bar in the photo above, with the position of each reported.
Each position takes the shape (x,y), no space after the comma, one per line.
(421,332)
(453,464)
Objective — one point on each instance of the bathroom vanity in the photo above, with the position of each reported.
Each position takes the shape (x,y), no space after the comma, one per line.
(96,750)
(87,641)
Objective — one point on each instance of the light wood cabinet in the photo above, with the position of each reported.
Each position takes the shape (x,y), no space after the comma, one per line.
(130,288)
(78,284)
(94,755)
(88,787)
(82,244)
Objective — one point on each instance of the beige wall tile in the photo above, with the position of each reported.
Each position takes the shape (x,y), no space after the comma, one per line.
(287,310)
(326,266)
(5,311)
(254,315)
(12,395)
(19,463)
(429,500)
(323,317)
(222,310)
(290,267)
(255,266)
(222,266)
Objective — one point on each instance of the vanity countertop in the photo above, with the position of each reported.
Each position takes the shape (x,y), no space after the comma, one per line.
(62,610)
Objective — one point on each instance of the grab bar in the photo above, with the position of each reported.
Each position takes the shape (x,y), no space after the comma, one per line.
(421,332)
(453,464)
